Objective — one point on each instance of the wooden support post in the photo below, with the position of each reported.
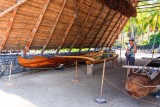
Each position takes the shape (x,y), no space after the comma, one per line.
(53,28)
(103,75)
(100,99)
(8,29)
(115,62)
(104,33)
(103,23)
(121,54)
(81,29)
(68,29)
(104,43)
(92,27)
(90,69)
(76,73)
(13,7)
(36,26)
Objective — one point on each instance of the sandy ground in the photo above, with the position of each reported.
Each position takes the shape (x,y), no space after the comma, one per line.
(55,88)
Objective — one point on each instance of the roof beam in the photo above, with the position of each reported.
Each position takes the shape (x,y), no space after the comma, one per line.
(99,41)
(53,28)
(13,15)
(93,26)
(115,33)
(36,26)
(68,29)
(121,28)
(99,30)
(78,33)
(104,33)
(104,43)
(12,7)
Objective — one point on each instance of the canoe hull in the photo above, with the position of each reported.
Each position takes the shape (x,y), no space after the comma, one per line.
(46,62)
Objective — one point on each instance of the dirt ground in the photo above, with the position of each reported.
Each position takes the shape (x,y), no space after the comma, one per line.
(50,88)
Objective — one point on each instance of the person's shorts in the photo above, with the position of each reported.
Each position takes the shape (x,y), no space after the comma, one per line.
(130,60)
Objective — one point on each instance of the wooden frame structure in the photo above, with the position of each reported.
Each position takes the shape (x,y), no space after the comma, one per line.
(8,28)
(80,32)
(46,24)
(54,26)
(68,29)
(92,27)
(36,26)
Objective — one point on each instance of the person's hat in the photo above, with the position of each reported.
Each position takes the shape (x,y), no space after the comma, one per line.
(131,39)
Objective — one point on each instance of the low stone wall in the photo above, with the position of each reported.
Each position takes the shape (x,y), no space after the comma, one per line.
(5,64)
(8,58)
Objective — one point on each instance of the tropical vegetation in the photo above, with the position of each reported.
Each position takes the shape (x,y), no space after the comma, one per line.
(146,24)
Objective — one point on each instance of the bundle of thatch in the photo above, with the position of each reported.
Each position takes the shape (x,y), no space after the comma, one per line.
(122,6)
(141,85)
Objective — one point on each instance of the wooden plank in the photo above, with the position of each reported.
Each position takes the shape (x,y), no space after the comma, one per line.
(93,26)
(104,43)
(68,29)
(78,34)
(104,22)
(36,26)
(141,67)
(6,36)
(54,26)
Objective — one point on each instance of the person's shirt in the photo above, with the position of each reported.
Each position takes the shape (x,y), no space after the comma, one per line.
(133,50)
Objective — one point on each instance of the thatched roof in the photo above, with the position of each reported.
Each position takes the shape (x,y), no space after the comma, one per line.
(55,24)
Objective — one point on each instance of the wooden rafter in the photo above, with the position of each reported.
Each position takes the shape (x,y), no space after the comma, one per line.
(104,43)
(36,26)
(68,29)
(78,34)
(118,32)
(99,41)
(115,32)
(53,28)
(19,2)
(93,26)
(104,22)
(8,28)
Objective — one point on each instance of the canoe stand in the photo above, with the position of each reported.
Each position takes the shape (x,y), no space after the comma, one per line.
(90,65)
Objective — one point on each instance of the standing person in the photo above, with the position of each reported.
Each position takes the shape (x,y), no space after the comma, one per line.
(131,50)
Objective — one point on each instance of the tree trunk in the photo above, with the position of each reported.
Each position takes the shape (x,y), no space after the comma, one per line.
(148,37)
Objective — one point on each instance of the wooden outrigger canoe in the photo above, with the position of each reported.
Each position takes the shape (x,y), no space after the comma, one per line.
(41,61)
(100,59)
